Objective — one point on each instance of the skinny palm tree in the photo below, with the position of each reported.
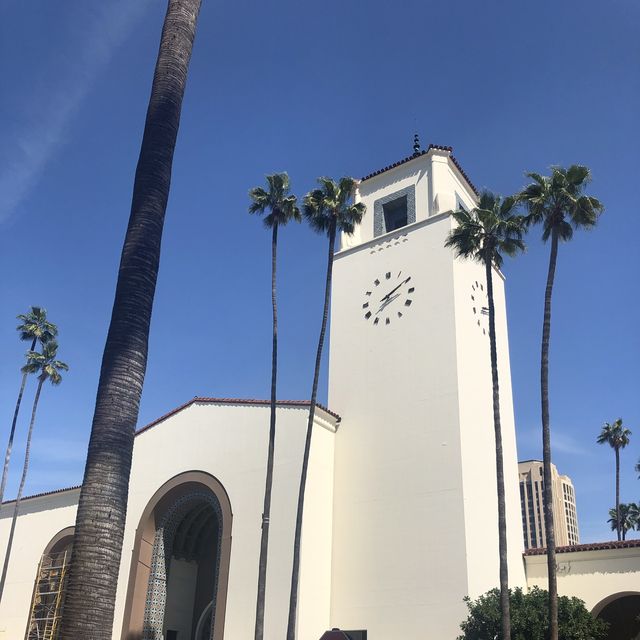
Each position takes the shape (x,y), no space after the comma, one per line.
(625,517)
(558,203)
(102,508)
(617,437)
(484,234)
(282,208)
(33,327)
(328,210)
(46,367)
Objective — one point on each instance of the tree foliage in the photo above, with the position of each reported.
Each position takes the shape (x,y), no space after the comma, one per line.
(530,617)
(629,518)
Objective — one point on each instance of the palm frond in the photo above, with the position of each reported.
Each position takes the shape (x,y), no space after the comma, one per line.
(277,200)
(488,231)
(558,202)
(332,204)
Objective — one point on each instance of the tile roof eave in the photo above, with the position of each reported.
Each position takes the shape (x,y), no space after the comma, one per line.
(195,400)
(422,153)
(590,546)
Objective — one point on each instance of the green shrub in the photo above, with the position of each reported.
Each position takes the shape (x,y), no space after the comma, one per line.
(529,617)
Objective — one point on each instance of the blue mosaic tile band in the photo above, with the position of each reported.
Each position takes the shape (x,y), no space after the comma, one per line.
(378,212)
(156,600)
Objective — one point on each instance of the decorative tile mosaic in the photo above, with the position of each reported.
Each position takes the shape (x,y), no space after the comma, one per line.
(378,212)
(161,558)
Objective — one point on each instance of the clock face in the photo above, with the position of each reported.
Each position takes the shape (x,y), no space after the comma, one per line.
(388,298)
(480,306)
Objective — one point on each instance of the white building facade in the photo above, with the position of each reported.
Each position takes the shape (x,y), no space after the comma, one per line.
(401,509)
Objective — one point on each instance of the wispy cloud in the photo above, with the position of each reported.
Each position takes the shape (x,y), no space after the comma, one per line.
(561,442)
(39,136)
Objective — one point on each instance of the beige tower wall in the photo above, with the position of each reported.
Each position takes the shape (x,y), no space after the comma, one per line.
(415,521)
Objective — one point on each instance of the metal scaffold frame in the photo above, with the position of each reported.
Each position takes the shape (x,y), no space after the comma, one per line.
(48,597)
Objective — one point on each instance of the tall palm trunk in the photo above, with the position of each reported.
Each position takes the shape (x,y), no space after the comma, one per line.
(618,523)
(546,444)
(295,572)
(25,469)
(7,455)
(95,561)
(266,511)
(502,518)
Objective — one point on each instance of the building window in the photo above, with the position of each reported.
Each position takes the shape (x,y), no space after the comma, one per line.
(395,214)
(394,211)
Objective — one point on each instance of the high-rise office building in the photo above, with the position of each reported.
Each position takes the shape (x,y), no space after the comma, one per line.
(565,516)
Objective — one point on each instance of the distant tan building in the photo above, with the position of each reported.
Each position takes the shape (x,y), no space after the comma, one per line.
(565,516)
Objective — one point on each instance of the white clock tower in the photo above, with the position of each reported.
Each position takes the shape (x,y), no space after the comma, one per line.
(415,515)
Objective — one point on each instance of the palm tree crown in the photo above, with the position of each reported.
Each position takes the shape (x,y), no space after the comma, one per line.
(488,231)
(629,518)
(45,363)
(277,200)
(35,326)
(331,206)
(615,435)
(558,202)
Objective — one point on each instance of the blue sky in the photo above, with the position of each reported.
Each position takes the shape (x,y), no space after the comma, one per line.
(326,88)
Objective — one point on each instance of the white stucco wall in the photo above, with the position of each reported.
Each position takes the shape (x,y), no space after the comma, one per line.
(228,441)
(398,464)
(415,515)
(39,521)
(592,576)
(477,429)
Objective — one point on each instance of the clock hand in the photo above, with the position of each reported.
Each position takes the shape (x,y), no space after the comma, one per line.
(395,289)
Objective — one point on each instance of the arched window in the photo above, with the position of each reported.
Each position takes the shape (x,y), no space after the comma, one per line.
(49,589)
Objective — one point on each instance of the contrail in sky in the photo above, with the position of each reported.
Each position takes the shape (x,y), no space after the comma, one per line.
(37,139)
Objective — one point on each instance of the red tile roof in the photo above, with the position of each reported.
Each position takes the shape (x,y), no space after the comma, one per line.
(592,546)
(44,493)
(241,401)
(201,400)
(422,153)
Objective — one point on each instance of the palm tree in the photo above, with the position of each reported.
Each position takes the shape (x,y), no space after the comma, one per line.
(484,234)
(328,210)
(625,517)
(46,367)
(637,468)
(617,437)
(102,508)
(33,327)
(559,204)
(282,208)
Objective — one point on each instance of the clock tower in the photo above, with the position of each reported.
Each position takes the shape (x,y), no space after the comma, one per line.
(415,504)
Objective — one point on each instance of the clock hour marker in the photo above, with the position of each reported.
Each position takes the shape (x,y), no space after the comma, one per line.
(387,321)
(399,314)
(376,321)
(411,290)
(365,305)
(367,315)
(399,273)
(388,274)
(368,293)
(407,302)
(376,282)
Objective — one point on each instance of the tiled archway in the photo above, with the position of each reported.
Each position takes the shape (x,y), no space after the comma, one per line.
(147,589)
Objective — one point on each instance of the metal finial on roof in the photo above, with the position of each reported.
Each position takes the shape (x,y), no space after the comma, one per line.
(416,144)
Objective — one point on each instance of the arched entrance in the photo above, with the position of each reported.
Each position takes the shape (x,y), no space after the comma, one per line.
(50,588)
(622,612)
(178,579)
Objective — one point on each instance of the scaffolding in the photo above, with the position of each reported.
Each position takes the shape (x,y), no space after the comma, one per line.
(48,597)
